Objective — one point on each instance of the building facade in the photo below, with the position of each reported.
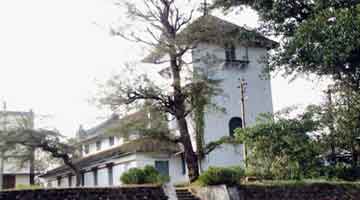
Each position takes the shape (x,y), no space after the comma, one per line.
(12,171)
(106,157)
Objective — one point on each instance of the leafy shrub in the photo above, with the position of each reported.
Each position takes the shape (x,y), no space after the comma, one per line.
(350,174)
(221,175)
(133,176)
(147,175)
(342,172)
(258,173)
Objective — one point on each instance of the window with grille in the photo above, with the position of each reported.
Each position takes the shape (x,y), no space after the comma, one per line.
(86,148)
(230,53)
(98,145)
(111,140)
(162,167)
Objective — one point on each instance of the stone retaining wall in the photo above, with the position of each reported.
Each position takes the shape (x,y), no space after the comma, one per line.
(125,193)
(303,192)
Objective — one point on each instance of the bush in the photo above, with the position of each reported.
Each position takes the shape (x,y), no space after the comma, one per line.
(147,175)
(221,175)
(342,172)
(348,173)
(133,176)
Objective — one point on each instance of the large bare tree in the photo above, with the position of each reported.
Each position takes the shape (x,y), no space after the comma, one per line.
(168,31)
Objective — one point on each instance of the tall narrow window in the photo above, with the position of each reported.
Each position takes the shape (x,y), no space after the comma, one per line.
(82,178)
(70,180)
(230,53)
(86,148)
(110,167)
(111,140)
(98,145)
(235,122)
(59,181)
(183,163)
(95,172)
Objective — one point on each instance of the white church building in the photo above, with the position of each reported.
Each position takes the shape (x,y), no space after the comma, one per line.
(106,157)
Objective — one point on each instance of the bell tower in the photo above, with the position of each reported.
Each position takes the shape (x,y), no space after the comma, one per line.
(245,92)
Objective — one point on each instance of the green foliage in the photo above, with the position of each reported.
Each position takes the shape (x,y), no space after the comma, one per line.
(280,147)
(147,175)
(133,176)
(327,44)
(340,122)
(317,36)
(341,172)
(221,175)
(349,173)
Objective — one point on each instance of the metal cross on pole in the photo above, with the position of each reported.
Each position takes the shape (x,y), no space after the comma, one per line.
(242,87)
(205,8)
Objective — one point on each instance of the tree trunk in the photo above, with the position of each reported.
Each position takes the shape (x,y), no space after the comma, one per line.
(32,166)
(76,172)
(77,175)
(78,178)
(190,156)
(1,169)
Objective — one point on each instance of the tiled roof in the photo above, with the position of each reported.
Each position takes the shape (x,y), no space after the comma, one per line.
(104,128)
(215,30)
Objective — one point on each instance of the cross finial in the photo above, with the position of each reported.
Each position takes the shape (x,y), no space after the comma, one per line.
(205,7)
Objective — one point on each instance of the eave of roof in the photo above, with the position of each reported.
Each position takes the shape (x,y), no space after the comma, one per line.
(104,129)
(212,29)
(145,145)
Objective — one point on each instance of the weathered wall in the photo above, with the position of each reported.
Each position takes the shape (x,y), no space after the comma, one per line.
(303,192)
(316,191)
(212,192)
(126,193)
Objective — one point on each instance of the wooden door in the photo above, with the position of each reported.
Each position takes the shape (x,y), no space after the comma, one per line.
(9,181)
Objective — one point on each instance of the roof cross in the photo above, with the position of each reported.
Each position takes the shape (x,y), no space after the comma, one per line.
(205,8)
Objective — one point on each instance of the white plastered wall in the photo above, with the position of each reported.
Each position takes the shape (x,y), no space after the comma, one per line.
(103,177)
(175,165)
(22,180)
(258,98)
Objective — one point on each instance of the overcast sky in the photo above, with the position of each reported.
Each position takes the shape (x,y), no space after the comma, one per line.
(52,52)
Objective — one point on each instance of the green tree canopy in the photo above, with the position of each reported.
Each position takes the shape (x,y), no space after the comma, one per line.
(281,147)
(317,36)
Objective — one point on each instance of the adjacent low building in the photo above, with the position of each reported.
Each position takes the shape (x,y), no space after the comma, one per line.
(106,156)
(14,169)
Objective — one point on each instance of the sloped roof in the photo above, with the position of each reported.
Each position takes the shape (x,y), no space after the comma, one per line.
(144,145)
(103,129)
(212,29)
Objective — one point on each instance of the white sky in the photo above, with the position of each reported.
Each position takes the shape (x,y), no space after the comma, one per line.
(51,53)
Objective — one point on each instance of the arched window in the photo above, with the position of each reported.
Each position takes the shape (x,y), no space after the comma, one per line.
(234,123)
